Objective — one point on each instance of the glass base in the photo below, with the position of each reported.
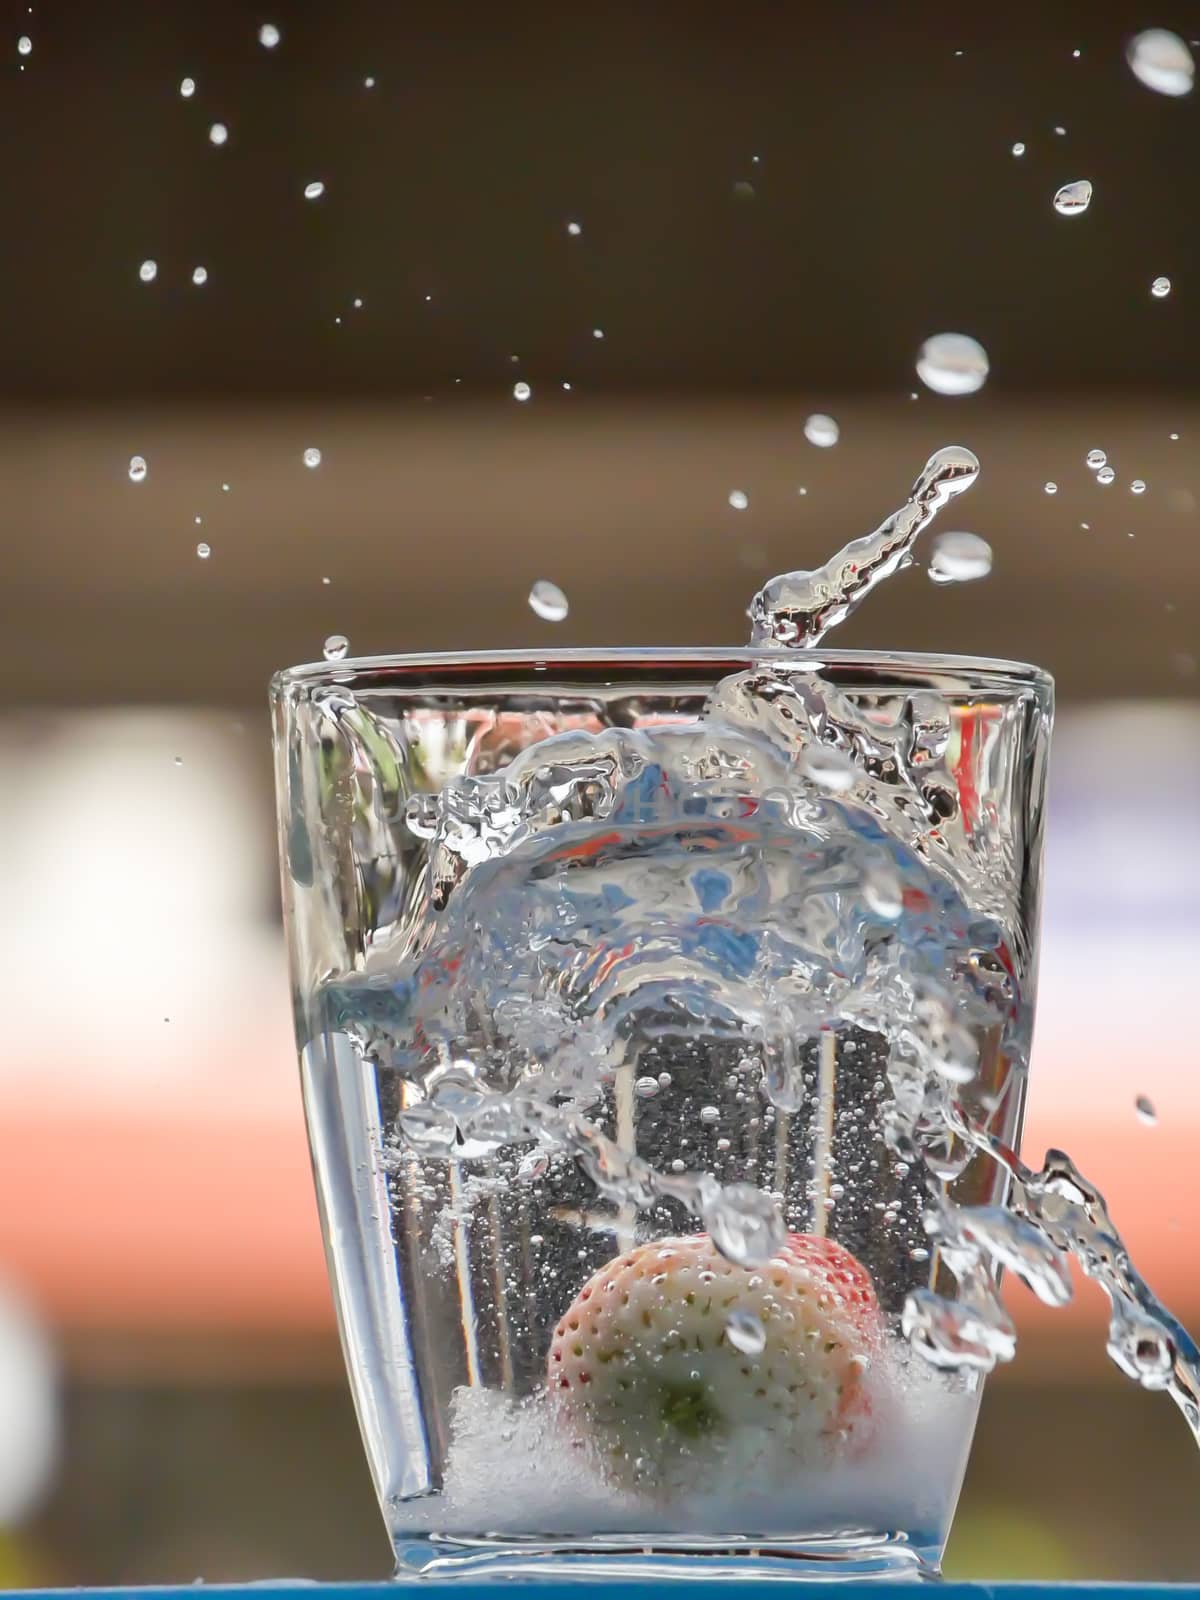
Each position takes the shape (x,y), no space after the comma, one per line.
(824,1557)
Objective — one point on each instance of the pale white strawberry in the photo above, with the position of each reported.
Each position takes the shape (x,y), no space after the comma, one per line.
(672,1360)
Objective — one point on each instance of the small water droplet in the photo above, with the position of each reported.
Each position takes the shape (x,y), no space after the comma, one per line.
(745,1332)
(1174,437)
(1138,486)
(218,133)
(1146,1113)
(1076,54)
(1162,61)
(178,761)
(357,302)
(335,647)
(1061,132)
(204,551)
(24,45)
(1073,199)
(368,83)
(521,391)
(1096,459)
(952,363)
(187,87)
(1051,488)
(664,1080)
(574,229)
(314,190)
(137,469)
(546,600)
(597,333)
(148,271)
(312,456)
(197,520)
(646,1088)
(224,488)
(199,276)
(739,499)
(1105,475)
(959,558)
(268,36)
(1160,288)
(743,190)
(821,430)
(1018,149)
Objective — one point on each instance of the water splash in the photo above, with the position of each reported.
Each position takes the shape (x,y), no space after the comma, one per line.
(799,608)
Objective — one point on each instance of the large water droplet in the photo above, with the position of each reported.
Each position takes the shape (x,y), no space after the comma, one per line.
(137,469)
(1073,199)
(312,456)
(199,276)
(218,133)
(1146,1113)
(1160,288)
(959,558)
(646,1088)
(148,271)
(24,45)
(521,391)
(1162,61)
(335,647)
(1105,475)
(821,430)
(546,600)
(745,1332)
(314,190)
(268,36)
(187,87)
(739,499)
(743,1223)
(952,363)
(1096,459)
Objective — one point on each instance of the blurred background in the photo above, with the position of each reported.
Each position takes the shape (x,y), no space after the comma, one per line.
(685,227)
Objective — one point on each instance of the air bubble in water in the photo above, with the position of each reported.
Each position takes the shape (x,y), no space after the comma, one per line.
(268,36)
(314,190)
(24,45)
(148,271)
(960,558)
(1105,475)
(952,363)
(1146,1113)
(1160,288)
(1073,199)
(312,456)
(646,1088)
(1096,459)
(829,768)
(1051,488)
(335,647)
(546,600)
(709,1114)
(821,430)
(137,469)
(521,391)
(1138,486)
(204,551)
(187,87)
(743,1223)
(218,133)
(745,1332)
(199,276)
(1162,61)
(739,499)
(1018,149)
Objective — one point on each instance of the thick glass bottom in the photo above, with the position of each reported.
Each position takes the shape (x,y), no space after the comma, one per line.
(655,1557)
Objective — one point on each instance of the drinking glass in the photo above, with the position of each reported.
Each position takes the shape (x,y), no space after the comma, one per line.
(598,963)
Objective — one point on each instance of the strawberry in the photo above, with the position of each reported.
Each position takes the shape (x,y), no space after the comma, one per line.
(672,1360)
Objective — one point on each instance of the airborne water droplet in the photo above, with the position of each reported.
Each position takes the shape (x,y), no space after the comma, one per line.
(187,87)
(959,558)
(1146,1113)
(745,1332)
(1138,486)
(1073,199)
(314,190)
(546,600)
(1051,488)
(739,499)
(1018,149)
(1162,61)
(312,456)
(1096,459)
(521,391)
(24,45)
(204,551)
(218,133)
(199,276)
(821,430)
(335,647)
(574,229)
(148,271)
(1160,288)
(137,469)
(268,36)
(1106,475)
(952,363)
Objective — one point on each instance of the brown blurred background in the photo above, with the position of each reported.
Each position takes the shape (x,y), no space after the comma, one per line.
(777,204)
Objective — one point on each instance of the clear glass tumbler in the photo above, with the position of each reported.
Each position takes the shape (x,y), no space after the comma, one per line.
(628,987)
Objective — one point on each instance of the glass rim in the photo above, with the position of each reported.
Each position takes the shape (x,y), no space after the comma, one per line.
(984,670)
